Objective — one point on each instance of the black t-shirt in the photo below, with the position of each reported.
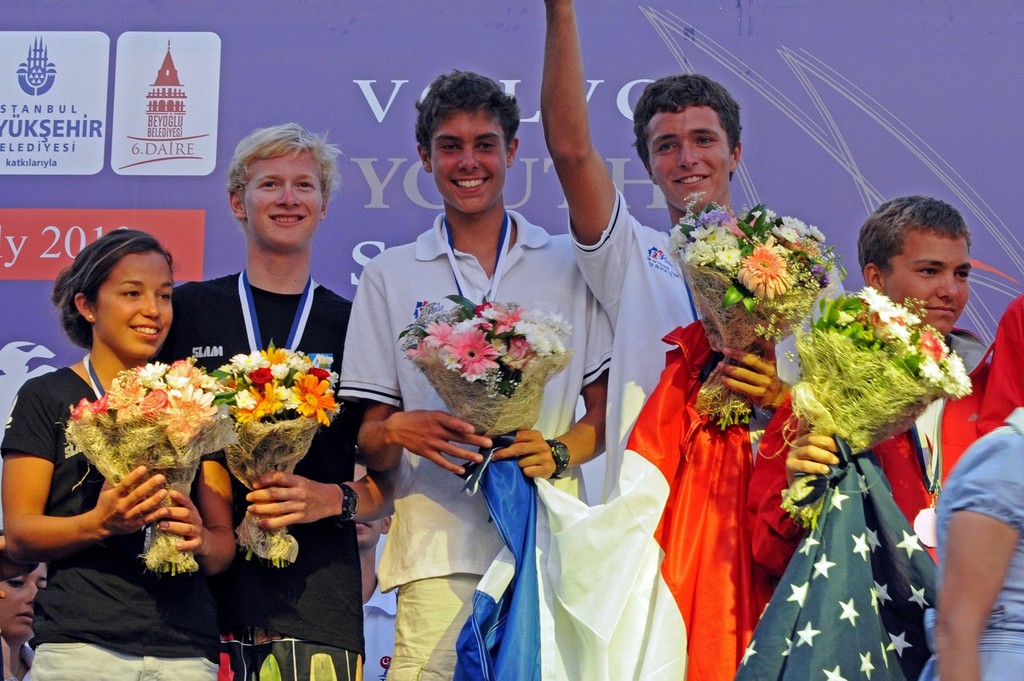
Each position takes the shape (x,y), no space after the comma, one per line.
(102,594)
(319,597)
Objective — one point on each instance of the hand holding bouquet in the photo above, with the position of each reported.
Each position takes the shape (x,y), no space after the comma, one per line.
(277,399)
(752,277)
(162,417)
(870,367)
(489,362)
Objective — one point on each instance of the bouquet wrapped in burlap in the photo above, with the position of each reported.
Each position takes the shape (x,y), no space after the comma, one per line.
(869,368)
(278,399)
(162,417)
(489,362)
(752,279)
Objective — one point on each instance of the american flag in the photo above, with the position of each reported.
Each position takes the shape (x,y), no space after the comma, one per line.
(851,603)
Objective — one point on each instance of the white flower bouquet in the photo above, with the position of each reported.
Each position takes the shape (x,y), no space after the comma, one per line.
(278,399)
(162,417)
(870,367)
(752,277)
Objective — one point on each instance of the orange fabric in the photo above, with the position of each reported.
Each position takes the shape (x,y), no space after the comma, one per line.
(703,532)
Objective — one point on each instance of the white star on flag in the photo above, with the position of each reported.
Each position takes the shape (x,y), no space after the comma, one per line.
(806,635)
(838,498)
(808,544)
(834,675)
(860,545)
(849,612)
(789,647)
(865,664)
(910,543)
(799,594)
(899,643)
(918,596)
(749,653)
(872,538)
(822,566)
(882,591)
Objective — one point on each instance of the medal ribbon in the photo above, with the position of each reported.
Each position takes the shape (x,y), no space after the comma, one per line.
(252,326)
(94,379)
(499,261)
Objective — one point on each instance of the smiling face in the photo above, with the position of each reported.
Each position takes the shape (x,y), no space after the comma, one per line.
(132,312)
(469,158)
(282,203)
(933,268)
(16,608)
(689,153)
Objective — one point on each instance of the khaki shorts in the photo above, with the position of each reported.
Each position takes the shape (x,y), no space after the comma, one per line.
(431,614)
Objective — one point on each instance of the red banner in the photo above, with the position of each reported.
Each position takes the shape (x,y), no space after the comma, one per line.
(37,243)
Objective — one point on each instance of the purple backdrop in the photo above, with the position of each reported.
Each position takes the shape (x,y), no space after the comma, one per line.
(844,104)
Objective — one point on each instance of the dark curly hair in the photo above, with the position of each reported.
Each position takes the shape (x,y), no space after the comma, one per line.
(464,91)
(675,93)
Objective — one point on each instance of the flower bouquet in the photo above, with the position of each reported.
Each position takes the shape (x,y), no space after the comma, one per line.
(162,417)
(278,399)
(752,277)
(869,367)
(489,362)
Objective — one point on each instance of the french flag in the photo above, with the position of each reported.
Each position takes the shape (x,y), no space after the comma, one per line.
(578,592)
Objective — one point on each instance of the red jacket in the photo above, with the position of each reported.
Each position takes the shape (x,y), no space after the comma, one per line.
(1005,390)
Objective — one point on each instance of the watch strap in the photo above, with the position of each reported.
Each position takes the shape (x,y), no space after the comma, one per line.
(560,453)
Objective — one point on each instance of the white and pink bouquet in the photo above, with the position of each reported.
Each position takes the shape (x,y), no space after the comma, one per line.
(278,399)
(162,417)
(753,276)
(489,362)
(869,368)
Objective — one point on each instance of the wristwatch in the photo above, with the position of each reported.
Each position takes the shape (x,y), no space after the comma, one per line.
(560,453)
(349,503)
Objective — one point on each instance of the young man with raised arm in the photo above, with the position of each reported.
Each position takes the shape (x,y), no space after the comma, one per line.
(687,130)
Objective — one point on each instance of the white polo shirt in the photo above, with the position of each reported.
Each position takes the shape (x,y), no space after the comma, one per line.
(641,288)
(379,633)
(437,529)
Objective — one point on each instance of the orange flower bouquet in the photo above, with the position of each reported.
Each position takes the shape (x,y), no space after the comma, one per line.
(278,399)
(751,277)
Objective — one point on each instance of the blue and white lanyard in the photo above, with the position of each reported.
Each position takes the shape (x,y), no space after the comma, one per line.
(500,261)
(252,326)
(94,379)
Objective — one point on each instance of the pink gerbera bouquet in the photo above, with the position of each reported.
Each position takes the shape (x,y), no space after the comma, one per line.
(751,277)
(162,417)
(489,362)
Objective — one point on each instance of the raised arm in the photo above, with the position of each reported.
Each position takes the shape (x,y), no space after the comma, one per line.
(581,170)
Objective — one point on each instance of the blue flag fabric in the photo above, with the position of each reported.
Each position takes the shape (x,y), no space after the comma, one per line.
(501,639)
(851,602)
